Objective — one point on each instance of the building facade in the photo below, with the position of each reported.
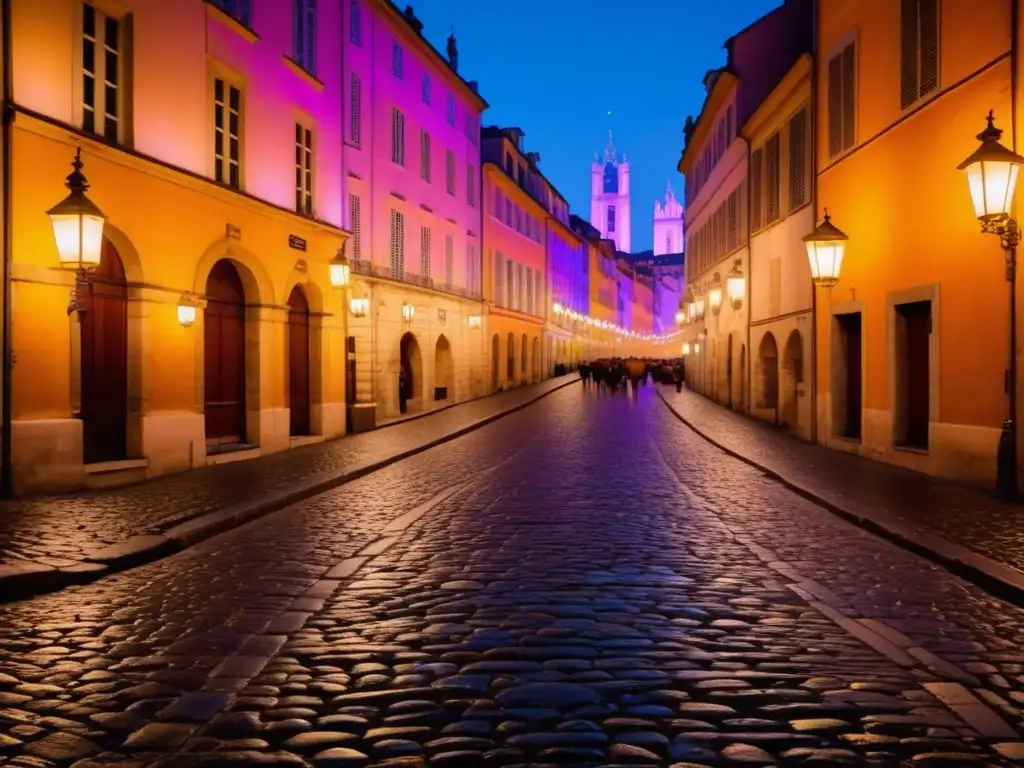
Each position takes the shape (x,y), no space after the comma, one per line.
(668,224)
(781,214)
(912,340)
(609,197)
(514,267)
(208,330)
(412,162)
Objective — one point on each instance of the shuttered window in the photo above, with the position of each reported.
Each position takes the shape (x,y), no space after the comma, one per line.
(425,156)
(449,261)
(798,160)
(397,137)
(355,97)
(357,226)
(842,100)
(499,279)
(756,188)
(425,245)
(919,50)
(397,244)
(772,164)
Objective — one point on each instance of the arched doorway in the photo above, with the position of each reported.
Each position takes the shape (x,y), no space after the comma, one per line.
(444,369)
(768,360)
(224,355)
(495,358)
(410,381)
(525,359)
(298,361)
(792,377)
(535,356)
(510,362)
(104,361)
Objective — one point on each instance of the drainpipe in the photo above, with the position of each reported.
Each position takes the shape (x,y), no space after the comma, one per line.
(6,484)
(815,26)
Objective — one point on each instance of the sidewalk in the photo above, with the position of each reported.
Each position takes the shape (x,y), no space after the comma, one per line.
(49,543)
(974,534)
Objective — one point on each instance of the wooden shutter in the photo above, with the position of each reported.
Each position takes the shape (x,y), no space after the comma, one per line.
(798,160)
(929,45)
(835,112)
(772,162)
(908,52)
(756,193)
(849,91)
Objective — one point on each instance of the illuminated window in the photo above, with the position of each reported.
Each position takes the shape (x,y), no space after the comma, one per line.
(104,96)
(227,131)
(304,34)
(303,170)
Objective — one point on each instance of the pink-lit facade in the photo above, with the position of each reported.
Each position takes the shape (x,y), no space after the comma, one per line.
(211,137)
(412,166)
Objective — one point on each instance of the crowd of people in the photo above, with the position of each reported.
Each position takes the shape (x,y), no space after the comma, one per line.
(611,373)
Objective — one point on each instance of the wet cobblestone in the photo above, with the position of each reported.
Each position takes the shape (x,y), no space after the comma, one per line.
(61,531)
(584,583)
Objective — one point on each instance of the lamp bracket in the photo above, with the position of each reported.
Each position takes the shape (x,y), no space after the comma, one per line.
(78,291)
(1005,228)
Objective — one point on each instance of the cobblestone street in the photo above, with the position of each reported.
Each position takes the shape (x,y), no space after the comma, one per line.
(585,582)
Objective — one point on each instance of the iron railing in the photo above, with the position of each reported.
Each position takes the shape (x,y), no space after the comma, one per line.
(384,272)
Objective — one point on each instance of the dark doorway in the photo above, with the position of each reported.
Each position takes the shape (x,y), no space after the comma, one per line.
(224,356)
(913,332)
(510,367)
(409,384)
(298,362)
(495,355)
(350,370)
(104,327)
(728,373)
(848,394)
(768,354)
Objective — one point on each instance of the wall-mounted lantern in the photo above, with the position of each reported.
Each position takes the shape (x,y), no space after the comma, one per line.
(188,308)
(359,306)
(474,321)
(408,312)
(826,246)
(736,286)
(341,270)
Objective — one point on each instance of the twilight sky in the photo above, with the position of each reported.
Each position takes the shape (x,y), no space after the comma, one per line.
(556,68)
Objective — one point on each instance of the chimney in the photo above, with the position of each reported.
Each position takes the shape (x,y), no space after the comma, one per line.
(412,21)
(453,51)
(534,158)
(474,85)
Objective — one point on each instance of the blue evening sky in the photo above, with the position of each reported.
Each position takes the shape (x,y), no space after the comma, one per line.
(556,68)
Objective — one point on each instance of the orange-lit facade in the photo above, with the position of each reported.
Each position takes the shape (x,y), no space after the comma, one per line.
(912,341)
(514,263)
(213,147)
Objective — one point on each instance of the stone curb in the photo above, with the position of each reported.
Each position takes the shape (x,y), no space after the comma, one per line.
(992,576)
(18,583)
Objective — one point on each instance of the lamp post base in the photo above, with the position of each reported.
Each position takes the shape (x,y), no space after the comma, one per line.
(1006,463)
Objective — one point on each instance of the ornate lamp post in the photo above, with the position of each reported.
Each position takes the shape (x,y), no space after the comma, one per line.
(715,294)
(826,246)
(341,270)
(992,178)
(78,228)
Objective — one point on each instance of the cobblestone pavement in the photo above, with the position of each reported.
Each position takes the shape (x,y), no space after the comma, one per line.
(583,583)
(62,531)
(966,516)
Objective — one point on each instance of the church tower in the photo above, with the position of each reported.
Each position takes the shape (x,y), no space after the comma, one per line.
(609,197)
(668,224)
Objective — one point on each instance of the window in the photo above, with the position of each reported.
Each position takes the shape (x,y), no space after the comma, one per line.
(355,23)
(510,284)
(355,113)
(771,180)
(799,160)
(450,172)
(425,156)
(508,212)
(357,226)
(499,279)
(227,129)
(449,261)
(919,50)
(611,219)
(397,244)
(841,100)
(396,59)
(509,168)
(668,243)
(472,268)
(451,109)
(470,184)
(520,288)
(397,137)
(529,291)
(303,170)
(756,188)
(499,205)
(240,10)
(304,34)
(103,64)
(425,252)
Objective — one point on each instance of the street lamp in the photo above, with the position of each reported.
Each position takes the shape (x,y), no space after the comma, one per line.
(736,286)
(474,321)
(188,307)
(78,229)
(341,271)
(408,312)
(680,317)
(359,306)
(992,178)
(826,246)
(715,294)
(686,348)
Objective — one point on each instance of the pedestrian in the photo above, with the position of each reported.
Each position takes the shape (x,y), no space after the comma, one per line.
(585,374)
(402,379)
(679,374)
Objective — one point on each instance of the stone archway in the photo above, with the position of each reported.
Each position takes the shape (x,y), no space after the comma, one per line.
(226,356)
(410,390)
(444,369)
(768,365)
(792,377)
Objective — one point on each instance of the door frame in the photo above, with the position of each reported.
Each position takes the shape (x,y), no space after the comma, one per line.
(892,300)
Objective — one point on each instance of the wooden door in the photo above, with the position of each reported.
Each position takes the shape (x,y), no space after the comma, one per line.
(852,329)
(298,361)
(104,371)
(224,353)
(918,318)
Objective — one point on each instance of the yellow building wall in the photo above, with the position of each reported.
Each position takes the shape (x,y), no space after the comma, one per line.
(913,233)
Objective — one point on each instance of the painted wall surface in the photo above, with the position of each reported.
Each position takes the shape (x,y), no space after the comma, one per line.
(567,267)
(908,159)
(149,197)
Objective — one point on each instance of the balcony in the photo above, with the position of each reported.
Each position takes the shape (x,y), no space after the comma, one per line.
(384,272)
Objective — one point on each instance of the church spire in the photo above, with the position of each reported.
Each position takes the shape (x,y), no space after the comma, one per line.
(609,151)
(669,194)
